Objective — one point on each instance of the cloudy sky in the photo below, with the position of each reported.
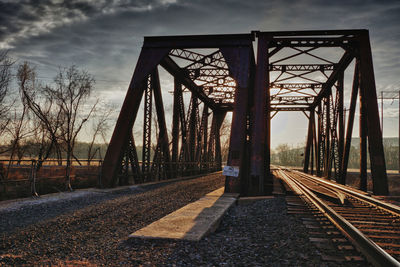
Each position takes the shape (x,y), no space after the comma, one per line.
(105,37)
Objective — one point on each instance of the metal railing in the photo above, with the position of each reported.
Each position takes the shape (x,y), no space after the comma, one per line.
(28,171)
(169,170)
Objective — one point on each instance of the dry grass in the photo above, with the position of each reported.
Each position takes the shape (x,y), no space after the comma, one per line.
(50,162)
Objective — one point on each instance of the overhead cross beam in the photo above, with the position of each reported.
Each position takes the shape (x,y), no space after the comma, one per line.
(301,67)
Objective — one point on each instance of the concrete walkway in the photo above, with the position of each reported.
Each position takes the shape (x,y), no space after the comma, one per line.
(191,222)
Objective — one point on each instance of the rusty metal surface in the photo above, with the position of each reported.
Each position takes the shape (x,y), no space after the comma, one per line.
(295,71)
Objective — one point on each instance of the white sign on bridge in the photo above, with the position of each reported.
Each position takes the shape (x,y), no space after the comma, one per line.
(231,171)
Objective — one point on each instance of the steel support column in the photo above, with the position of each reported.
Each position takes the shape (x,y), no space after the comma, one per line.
(350,122)
(147,115)
(201,149)
(319,141)
(367,86)
(192,133)
(220,116)
(363,142)
(314,148)
(205,133)
(326,151)
(309,143)
(163,134)
(240,61)
(133,157)
(260,131)
(340,141)
(175,124)
(211,143)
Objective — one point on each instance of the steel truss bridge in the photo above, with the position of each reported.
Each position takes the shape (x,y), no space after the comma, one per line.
(301,71)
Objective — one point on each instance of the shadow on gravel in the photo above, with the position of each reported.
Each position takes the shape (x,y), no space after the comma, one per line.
(42,209)
(148,251)
(257,234)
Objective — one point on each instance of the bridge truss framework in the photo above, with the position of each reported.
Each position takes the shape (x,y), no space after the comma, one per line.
(221,73)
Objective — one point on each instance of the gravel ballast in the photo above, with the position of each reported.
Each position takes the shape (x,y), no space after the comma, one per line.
(256,234)
(92,229)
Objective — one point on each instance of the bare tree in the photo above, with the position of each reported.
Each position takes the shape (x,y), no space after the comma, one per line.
(18,126)
(100,126)
(71,92)
(225,132)
(42,104)
(18,129)
(5,78)
(62,111)
(42,143)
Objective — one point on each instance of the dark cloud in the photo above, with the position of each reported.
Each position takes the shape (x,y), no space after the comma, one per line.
(105,36)
(23,19)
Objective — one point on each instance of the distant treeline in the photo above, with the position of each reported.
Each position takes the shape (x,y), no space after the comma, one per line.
(288,155)
(30,150)
(284,154)
(81,151)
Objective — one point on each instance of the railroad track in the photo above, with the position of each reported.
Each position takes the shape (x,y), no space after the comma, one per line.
(371,225)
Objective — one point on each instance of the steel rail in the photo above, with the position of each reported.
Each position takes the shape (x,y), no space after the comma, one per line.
(375,254)
(383,205)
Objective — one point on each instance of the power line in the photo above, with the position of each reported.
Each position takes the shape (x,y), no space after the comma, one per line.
(395,95)
(96,80)
(100,79)
(392,97)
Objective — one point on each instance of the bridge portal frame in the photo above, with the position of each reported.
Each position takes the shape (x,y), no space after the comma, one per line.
(328,141)
(194,144)
(192,149)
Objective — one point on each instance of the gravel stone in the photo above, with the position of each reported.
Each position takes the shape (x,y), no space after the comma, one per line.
(94,230)
(256,234)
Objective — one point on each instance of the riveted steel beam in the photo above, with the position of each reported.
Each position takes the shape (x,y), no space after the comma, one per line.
(199,41)
(301,67)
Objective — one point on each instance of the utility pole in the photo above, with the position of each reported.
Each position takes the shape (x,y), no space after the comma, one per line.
(396,96)
(382,112)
